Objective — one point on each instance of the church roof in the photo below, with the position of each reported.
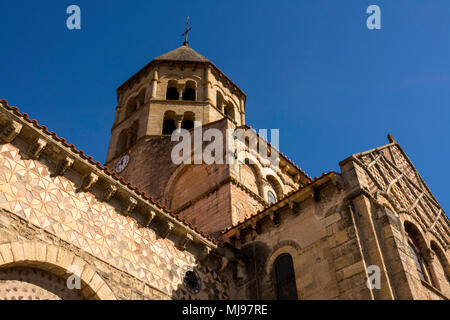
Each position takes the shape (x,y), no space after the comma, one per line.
(280,202)
(181,54)
(184,54)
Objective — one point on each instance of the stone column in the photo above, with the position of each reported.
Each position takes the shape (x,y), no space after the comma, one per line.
(179,121)
(180,91)
(154,85)
(208,86)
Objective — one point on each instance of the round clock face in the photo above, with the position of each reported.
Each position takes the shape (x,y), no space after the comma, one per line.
(122,164)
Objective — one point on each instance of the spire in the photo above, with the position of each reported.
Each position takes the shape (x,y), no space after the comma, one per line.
(186,33)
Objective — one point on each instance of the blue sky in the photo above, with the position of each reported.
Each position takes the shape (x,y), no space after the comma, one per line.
(310,68)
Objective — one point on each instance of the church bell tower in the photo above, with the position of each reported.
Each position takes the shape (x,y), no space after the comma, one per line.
(172,91)
(181,89)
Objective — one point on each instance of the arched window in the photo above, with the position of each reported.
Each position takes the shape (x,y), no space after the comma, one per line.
(172,91)
(133,134)
(442,260)
(131,107)
(229,110)
(169,125)
(418,261)
(140,99)
(285,278)
(188,120)
(219,101)
(189,91)
(417,248)
(272,198)
(275,186)
(121,142)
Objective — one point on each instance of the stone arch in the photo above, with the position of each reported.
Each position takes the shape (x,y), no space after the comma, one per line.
(415,237)
(284,247)
(122,141)
(219,100)
(141,97)
(168,190)
(226,94)
(133,133)
(416,233)
(230,110)
(387,203)
(172,184)
(55,260)
(172,90)
(169,122)
(188,120)
(276,185)
(131,106)
(442,259)
(190,91)
(253,163)
(181,194)
(250,178)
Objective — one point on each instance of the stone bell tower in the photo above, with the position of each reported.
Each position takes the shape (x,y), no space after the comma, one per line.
(172,91)
(181,89)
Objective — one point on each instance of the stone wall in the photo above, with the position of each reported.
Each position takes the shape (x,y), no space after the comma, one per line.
(397,199)
(69,226)
(340,228)
(315,235)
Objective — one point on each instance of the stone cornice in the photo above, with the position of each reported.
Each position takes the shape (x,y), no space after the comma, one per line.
(291,201)
(145,70)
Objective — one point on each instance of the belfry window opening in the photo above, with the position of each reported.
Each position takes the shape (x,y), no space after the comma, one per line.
(189,93)
(188,120)
(219,101)
(169,124)
(172,91)
(229,110)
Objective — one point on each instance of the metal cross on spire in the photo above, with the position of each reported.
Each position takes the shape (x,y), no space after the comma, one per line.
(186,33)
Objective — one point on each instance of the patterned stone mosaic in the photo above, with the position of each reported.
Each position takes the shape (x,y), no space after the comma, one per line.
(52,203)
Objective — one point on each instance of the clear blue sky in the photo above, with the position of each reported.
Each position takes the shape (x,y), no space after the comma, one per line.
(310,68)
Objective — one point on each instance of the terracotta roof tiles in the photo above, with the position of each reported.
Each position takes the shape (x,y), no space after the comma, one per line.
(276,203)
